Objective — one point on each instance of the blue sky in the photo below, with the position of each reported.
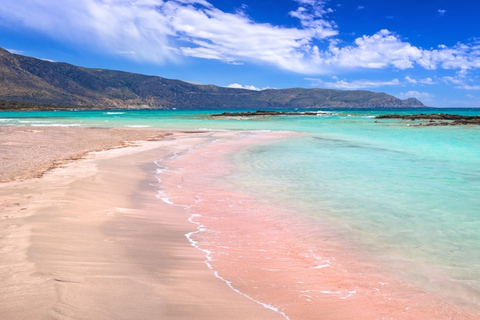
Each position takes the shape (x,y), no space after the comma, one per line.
(428,49)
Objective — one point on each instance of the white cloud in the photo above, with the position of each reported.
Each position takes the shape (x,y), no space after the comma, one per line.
(460,56)
(381,50)
(453,80)
(311,13)
(15,51)
(462,80)
(111,26)
(166,31)
(239,86)
(353,85)
(469,87)
(415,94)
(427,80)
(411,80)
(213,34)
(441,12)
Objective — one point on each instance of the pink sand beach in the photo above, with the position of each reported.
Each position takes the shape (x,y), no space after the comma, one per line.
(150,228)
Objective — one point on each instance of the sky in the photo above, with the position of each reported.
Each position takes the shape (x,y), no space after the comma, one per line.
(427,49)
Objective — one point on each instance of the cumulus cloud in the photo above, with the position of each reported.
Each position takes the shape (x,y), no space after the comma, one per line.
(380,50)
(239,86)
(165,31)
(460,56)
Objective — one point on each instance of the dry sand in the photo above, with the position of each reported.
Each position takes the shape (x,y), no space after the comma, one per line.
(28,152)
(90,240)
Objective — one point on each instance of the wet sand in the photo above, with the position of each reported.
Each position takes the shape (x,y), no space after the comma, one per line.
(90,240)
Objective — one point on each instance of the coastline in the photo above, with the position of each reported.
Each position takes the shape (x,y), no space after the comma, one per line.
(91,240)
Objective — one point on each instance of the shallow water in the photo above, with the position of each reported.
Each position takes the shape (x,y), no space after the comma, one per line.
(408,196)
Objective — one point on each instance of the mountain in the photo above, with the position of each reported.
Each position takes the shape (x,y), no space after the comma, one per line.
(26,81)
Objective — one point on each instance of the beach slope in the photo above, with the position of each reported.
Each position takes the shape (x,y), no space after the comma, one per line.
(90,239)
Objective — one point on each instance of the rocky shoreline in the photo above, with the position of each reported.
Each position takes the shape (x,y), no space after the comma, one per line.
(436,119)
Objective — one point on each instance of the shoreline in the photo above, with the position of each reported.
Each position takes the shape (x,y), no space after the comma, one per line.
(296,265)
(30,152)
(91,240)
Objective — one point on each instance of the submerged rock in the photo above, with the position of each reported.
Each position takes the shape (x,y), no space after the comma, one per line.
(436,119)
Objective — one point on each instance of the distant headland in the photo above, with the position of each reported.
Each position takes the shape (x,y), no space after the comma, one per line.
(32,84)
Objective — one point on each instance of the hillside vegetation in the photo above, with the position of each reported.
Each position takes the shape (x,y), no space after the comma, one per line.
(33,82)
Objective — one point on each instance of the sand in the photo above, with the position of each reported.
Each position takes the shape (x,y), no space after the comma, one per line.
(90,239)
(29,152)
(94,238)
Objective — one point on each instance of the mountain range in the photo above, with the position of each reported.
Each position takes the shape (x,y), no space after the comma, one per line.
(30,83)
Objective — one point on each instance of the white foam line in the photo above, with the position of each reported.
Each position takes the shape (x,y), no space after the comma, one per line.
(166,200)
(208,255)
(350,293)
(201,228)
(321,291)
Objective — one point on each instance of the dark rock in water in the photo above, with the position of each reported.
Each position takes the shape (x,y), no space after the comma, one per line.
(265,113)
(436,119)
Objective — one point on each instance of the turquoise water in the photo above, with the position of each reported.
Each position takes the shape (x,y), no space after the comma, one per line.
(407,195)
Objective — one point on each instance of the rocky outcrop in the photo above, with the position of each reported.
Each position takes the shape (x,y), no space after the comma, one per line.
(436,119)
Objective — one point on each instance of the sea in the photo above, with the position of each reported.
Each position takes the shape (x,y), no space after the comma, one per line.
(404,193)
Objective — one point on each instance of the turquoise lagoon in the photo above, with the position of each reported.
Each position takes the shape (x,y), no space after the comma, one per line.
(408,195)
